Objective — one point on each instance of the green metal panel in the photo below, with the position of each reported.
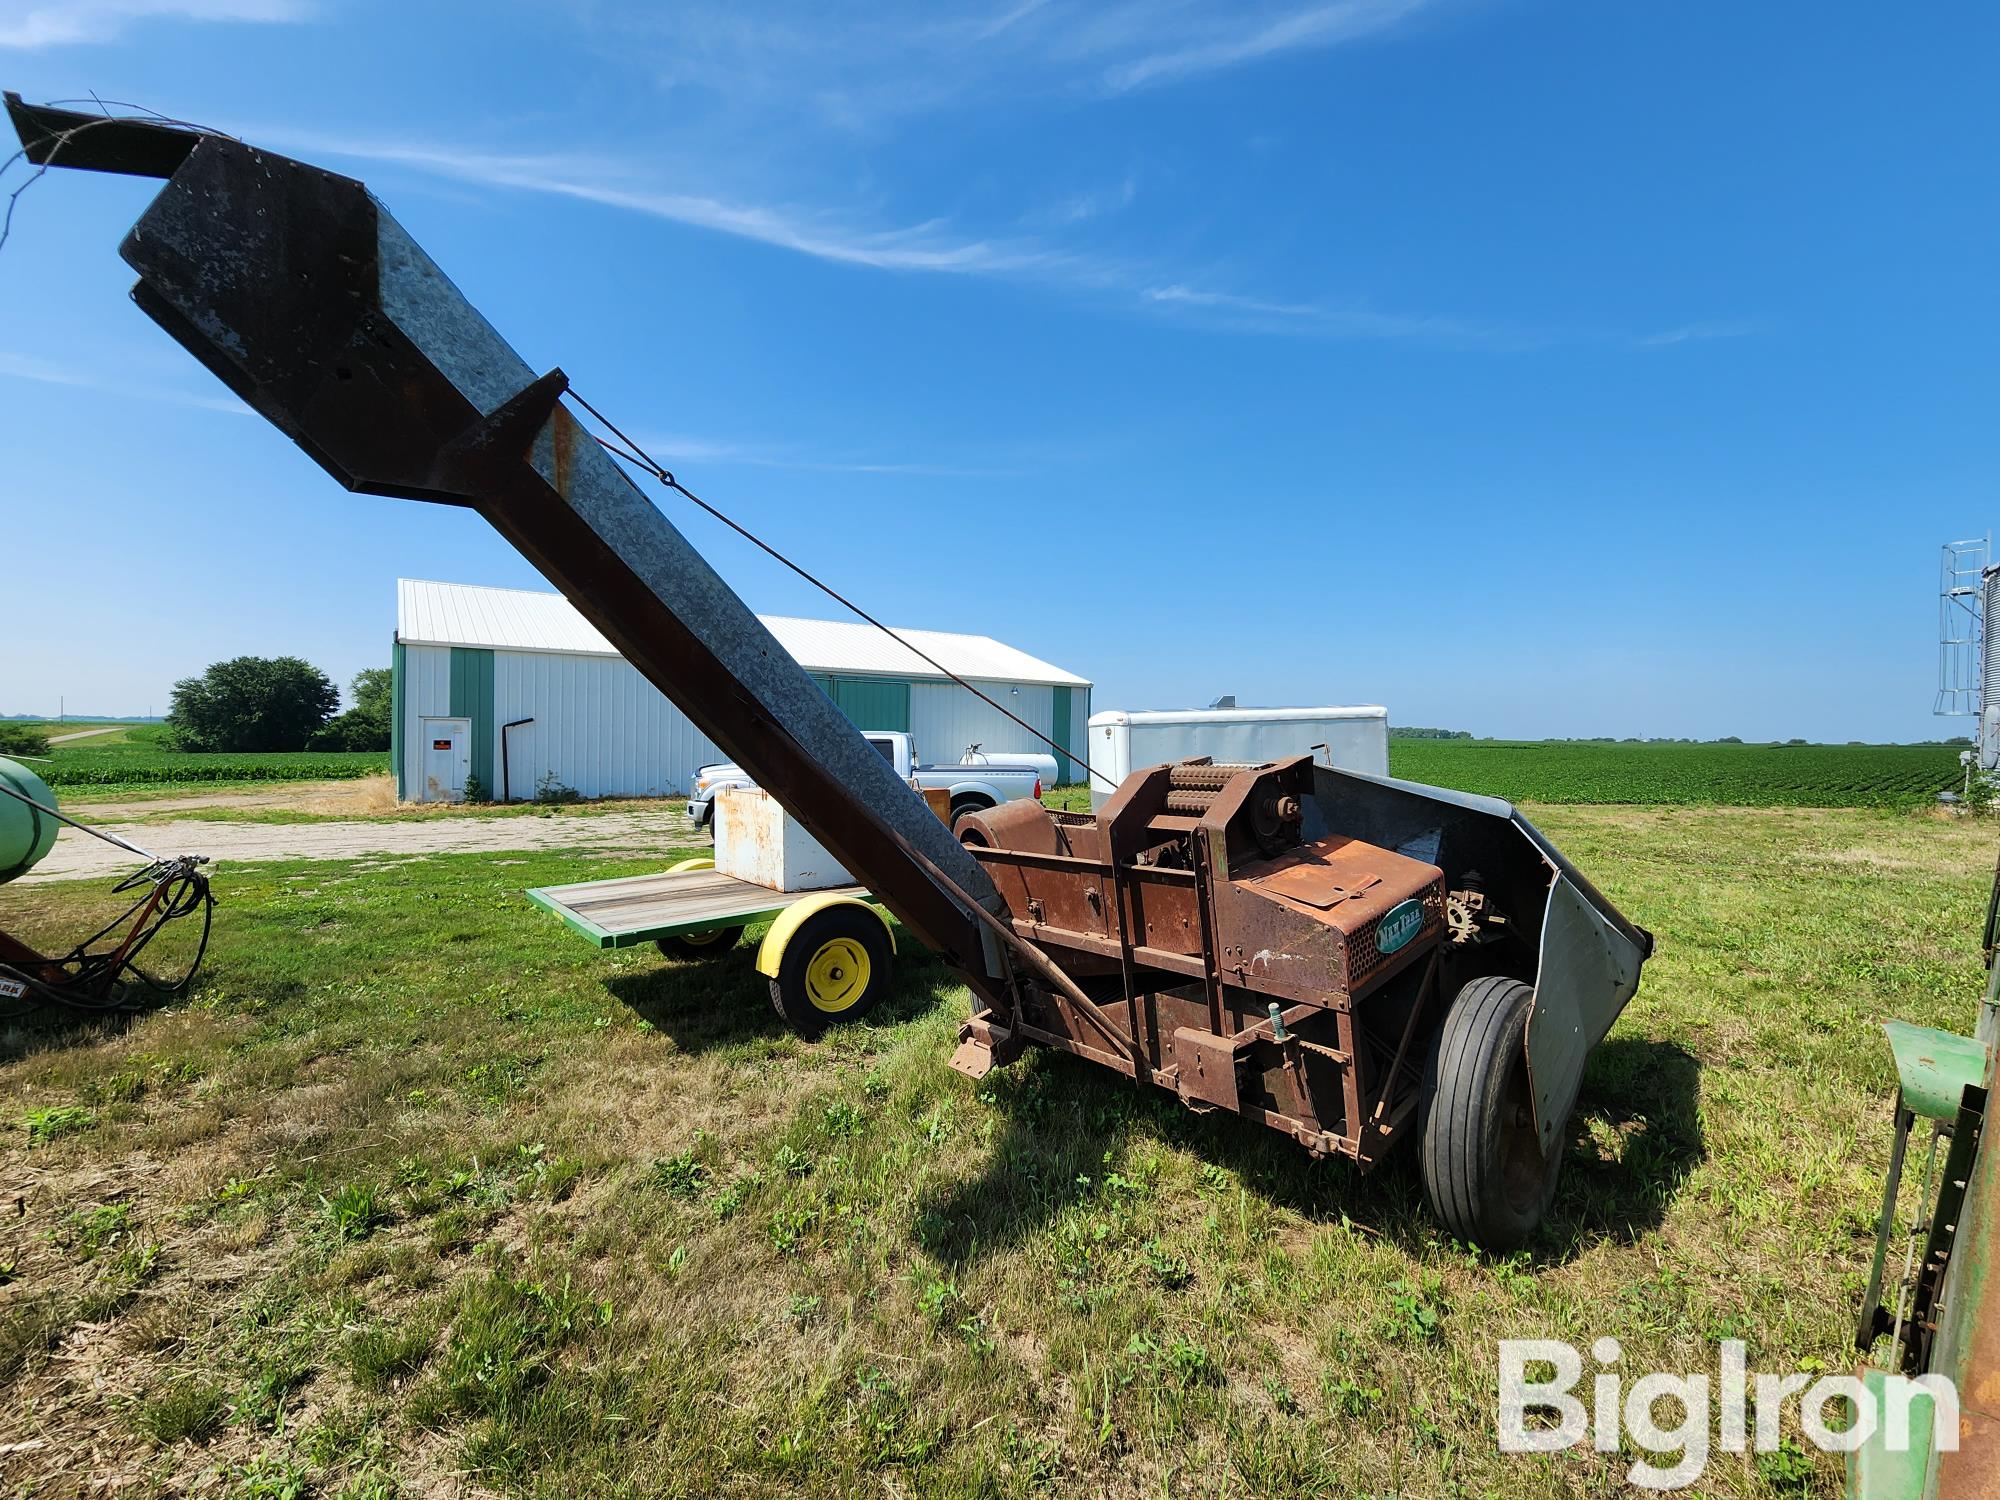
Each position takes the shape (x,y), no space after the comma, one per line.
(874,702)
(1934,1067)
(1873,1471)
(472,698)
(399,673)
(1059,731)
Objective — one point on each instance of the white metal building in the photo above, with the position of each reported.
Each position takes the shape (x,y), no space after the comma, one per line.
(512,685)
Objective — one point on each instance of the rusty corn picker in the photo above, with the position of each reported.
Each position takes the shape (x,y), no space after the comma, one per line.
(1347,959)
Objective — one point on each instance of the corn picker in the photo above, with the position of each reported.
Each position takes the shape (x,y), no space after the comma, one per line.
(1347,959)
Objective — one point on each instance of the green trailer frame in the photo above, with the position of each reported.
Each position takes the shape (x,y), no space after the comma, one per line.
(633,910)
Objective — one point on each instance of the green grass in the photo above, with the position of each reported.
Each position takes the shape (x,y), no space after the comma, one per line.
(624,1234)
(1733,775)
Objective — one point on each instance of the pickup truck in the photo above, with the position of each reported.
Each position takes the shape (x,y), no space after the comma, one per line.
(986,784)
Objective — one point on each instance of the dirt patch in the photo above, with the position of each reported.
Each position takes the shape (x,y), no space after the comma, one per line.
(363,796)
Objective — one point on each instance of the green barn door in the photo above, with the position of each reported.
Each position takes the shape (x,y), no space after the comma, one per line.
(1059,731)
(873,702)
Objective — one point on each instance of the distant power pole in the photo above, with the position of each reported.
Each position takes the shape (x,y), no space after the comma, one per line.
(62,710)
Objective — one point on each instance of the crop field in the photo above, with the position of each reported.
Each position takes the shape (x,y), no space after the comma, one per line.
(1732,775)
(420,1196)
(133,756)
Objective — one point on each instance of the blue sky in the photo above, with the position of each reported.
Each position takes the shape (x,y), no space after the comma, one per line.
(1530,366)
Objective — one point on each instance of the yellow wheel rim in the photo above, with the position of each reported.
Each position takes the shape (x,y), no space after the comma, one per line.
(837,975)
(702,939)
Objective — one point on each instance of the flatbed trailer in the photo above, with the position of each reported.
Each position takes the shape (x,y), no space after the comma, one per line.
(633,910)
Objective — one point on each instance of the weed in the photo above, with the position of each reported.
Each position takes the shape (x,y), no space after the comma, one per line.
(733,1197)
(683,1176)
(788,1225)
(802,1309)
(89,1230)
(1348,1397)
(1169,1270)
(793,1162)
(1788,1469)
(57,1121)
(355,1210)
(1414,1314)
(842,1120)
(1191,1364)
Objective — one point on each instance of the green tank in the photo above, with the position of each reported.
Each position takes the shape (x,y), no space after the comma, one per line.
(25,834)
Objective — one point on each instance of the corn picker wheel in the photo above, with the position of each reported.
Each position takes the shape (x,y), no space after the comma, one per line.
(713,943)
(1485,1176)
(836,967)
(710,944)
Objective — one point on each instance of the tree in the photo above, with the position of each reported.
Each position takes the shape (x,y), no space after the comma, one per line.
(19,739)
(365,726)
(251,703)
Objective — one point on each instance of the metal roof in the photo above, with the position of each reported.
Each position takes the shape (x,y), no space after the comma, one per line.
(463,614)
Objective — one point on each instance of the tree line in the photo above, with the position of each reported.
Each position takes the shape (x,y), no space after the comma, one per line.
(262,703)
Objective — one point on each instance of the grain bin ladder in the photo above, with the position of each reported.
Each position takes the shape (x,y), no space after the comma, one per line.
(1295,944)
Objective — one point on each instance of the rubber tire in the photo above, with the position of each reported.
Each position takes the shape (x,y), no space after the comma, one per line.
(964,805)
(788,988)
(676,945)
(1486,1179)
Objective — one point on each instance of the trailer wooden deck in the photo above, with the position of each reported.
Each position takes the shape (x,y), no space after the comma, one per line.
(635,909)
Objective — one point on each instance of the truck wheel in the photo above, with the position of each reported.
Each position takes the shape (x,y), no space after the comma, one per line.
(964,805)
(1485,1176)
(710,944)
(835,967)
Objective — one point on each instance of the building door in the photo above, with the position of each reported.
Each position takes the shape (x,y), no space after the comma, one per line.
(447,758)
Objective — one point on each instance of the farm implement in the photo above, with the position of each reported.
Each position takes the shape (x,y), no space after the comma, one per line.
(106,971)
(1348,959)
(1937,1313)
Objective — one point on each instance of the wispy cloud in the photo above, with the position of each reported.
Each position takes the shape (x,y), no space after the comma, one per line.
(672,448)
(857,66)
(1691,333)
(39,23)
(1255,38)
(23,367)
(927,247)
(916,247)
(1325,320)
(1078,207)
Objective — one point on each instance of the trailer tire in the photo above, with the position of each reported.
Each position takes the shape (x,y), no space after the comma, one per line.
(962,805)
(698,945)
(836,967)
(1486,1178)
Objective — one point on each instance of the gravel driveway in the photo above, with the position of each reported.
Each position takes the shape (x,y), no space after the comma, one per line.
(78,854)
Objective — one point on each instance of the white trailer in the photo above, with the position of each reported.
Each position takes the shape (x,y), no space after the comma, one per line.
(1352,738)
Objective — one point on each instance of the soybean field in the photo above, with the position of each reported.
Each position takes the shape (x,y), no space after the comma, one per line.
(132,755)
(1712,774)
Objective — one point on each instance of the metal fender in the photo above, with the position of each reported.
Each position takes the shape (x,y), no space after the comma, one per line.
(978,788)
(1588,954)
(771,952)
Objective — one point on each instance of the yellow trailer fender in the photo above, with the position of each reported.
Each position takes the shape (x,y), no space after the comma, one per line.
(699,863)
(771,952)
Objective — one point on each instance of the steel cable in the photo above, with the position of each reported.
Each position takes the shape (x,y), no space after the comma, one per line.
(632,453)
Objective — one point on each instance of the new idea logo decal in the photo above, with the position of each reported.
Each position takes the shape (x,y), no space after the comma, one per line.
(1399,924)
